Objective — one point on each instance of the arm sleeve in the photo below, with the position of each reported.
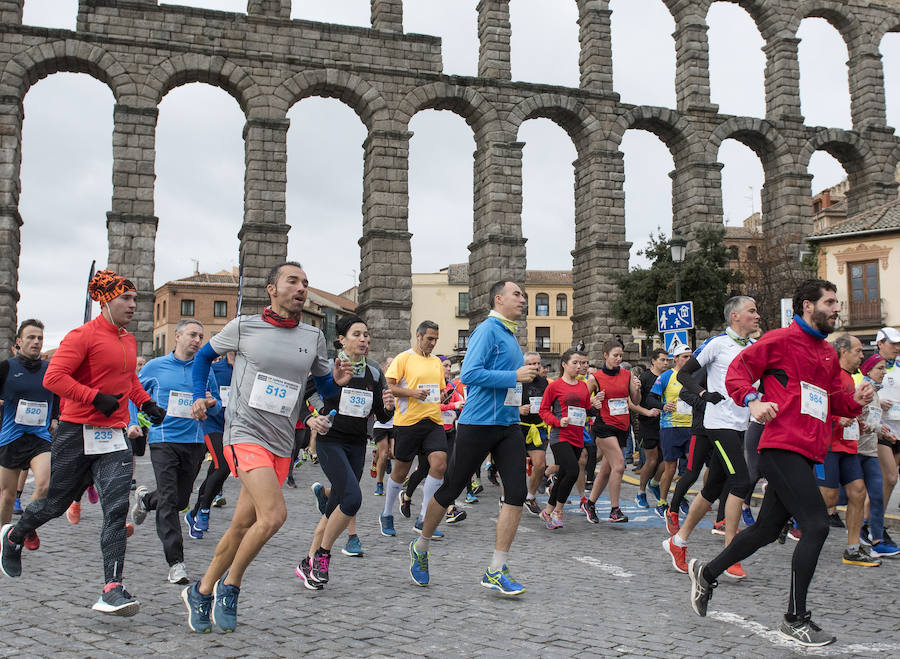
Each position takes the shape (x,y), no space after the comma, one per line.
(138,394)
(685,374)
(66,360)
(202,364)
(474,368)
(654,400)
(213,388)
(381,413)
(325,385)
(132,414)
(546,400)
(688,397)
(54,414)
(228,339)
(322,365)
(840,400)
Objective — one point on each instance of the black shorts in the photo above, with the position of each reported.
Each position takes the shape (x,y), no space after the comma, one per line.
(543,432)
(603,430)
(895,446)
(649,443)
(423,438)
(19,453)
(380,434)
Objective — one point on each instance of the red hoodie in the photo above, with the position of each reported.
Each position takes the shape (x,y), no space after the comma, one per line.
(781,360)
(97,357)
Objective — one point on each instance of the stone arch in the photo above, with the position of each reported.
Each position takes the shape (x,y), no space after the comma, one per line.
(68,55)
(668,125)
(758,135)
(360,95)
(847,147)
(838,14)
(566,112)
(467,102)
(216,70)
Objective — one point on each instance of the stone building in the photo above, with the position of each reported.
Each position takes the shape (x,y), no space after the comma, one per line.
(267,62)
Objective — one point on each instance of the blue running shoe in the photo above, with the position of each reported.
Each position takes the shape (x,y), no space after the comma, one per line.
(684,506)
(387,525)
(437,534)
(353,547)
(321,498)
(418,565)
(17,506)
(661,510)
(502,581)
(224,606)
(641,500)
(202,520)
(747,516)
(884,548)
(471,498)
(654,489)
(193,531)
(198,607)
(379,489)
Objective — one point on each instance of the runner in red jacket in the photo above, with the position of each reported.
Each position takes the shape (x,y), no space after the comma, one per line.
(800,375)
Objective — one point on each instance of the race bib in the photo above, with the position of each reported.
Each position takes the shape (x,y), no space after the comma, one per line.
(813,401)
(98,441)
(851,432)
(577,416)
(31,413)
(434,393)
(514,395)
(683,408)
(534,404)
(618,406)
(873,418)
(448,417)
(893,414)
(180,403)
(224,394)
(271,394)
(355,402)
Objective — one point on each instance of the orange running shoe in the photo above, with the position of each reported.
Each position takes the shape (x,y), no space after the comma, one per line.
(736,572)
(718,527)
(678,555)
(672,523)
(32,541)
(129,529)
(73,514)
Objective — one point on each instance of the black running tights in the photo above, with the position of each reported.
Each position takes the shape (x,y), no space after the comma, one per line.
(566,456)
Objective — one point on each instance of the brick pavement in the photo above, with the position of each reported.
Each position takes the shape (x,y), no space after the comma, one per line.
(592,591)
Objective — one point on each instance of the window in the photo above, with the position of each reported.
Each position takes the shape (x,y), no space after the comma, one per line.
(751,253)
(220,308)
(462,308)
(562,305)
(865,297)
(164,309)
(187,307)
(157,311)
(542,338)
(462,339)
(542,304)
(733,253)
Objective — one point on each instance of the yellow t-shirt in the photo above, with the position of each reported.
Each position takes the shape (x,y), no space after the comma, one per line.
(413,371)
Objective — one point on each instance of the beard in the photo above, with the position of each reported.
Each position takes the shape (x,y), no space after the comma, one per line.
(824,322)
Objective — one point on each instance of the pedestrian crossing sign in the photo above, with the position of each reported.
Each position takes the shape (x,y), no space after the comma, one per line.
(674,339)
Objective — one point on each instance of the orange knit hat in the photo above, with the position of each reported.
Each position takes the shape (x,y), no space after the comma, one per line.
(106,285)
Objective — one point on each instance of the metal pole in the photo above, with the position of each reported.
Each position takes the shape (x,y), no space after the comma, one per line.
(678,283)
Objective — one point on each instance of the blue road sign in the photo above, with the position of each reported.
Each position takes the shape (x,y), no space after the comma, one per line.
(674,338)
(678,316)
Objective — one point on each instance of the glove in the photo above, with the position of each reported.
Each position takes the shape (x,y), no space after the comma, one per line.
(712,397)
(154,412)
(106,403)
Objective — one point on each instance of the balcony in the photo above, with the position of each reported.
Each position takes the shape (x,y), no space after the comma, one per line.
(865,313)
(546,347)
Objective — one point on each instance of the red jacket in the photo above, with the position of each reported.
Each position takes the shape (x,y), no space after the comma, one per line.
(838,443)
(780,360)
(97,357)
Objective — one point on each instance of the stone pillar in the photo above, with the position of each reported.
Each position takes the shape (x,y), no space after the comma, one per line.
(867,102)
(11,115)
(11,12)
(263,234)
(783,80)
(696,199)
(385,289)
(493,39)
(269,8)
(601,251)
(131,225)
(692,64)
(595,38)
(387,15)
(498,248)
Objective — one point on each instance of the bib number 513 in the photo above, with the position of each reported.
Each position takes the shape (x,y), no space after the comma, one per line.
(278,392)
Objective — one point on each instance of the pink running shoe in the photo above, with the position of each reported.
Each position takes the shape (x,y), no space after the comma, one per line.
(93,497)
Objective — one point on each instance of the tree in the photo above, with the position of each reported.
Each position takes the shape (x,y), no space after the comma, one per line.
(705,279)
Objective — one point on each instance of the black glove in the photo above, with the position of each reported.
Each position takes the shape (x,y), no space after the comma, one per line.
(712,397)
(106,403)
(154,412)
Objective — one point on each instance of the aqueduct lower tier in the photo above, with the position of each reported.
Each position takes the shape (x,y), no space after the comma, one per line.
(268,62)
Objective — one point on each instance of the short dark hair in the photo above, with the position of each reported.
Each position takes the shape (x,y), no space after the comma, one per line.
(811,290)
(343,325)
(609,345)
(31,322)
(654,355)
(424,326)
(566,357)
(276,270)
(496,288)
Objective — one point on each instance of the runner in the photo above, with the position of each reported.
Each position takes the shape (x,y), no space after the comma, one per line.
(176,446)
(492,371)
(888,342)
(534,431)
(801,376)
(383,437)
(416,379)
(92,372)
(272,350)
(648,418)
(342,449)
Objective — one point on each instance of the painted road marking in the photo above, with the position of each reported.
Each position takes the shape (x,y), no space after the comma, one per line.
(614,570)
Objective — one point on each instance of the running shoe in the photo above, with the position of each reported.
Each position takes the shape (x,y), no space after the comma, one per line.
(201,521)
(73,514)
(551,481)
(795,534)
(314,459)
(859,556)
(193,531)
(320,562)
(661,510)
(701,589)
(418,565)
(532,506)
(437,534)
(558,518)
(117,601)
(387,466)
(654,489)
(589,508)
(405,505)
(834,521)
(886,537)
(353,546)
(641,500)
(303,571)
(747,516)
(492,474)
(379,489)
(32,541)
(455,515)
(500,503)
(736,572)
(471,498)
(549,522)
(318,491)
(178,574)
(219,501)
(17,506)
(10,554)
(884,548)
(92,495)
(616,515)
(139,509)
(198,607)
(684,506)
(133,485)
(224,606)
(387,525)
(719,527)
(129,529)
(373,470)
(501,581)
(291,483)
(677,554)
(476,487)
(805,632)
(864,535)
(672,523)
(581,503)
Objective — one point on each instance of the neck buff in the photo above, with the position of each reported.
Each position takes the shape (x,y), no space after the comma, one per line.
(507,323)
(737,338)
(278,321)
(809,330)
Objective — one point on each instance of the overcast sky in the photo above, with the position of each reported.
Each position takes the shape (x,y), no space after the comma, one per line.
(67,153)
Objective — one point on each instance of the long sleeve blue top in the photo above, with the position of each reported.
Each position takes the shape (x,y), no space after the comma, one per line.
(488,372)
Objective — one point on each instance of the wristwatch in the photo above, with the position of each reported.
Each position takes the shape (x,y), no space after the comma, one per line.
(751,397)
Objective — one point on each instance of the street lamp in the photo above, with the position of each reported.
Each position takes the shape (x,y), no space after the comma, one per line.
(678,246)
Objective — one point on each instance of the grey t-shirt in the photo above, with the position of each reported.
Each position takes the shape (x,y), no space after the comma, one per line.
(277,359)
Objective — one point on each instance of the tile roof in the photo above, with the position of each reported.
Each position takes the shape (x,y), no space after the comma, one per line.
(875,220)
